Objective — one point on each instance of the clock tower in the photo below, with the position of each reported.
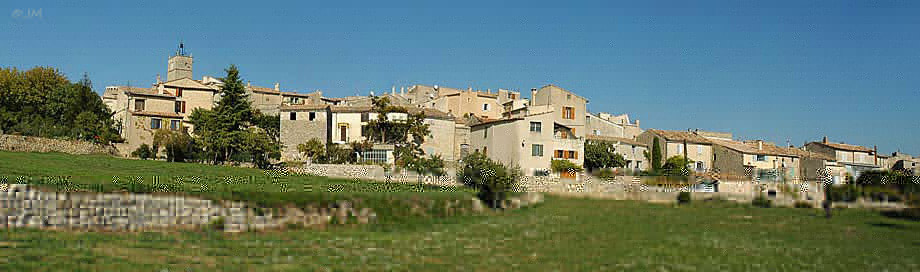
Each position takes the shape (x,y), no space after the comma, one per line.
(180,65)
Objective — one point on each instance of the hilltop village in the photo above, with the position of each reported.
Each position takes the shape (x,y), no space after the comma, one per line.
(550,123)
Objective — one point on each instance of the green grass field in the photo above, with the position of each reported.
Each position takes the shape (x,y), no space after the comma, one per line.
(563,234)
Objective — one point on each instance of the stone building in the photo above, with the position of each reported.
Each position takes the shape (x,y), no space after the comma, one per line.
(551,126)
(855,159)
(631,150)
(605,124)
(139,112)
(345,124)
(681,143)
(757,159)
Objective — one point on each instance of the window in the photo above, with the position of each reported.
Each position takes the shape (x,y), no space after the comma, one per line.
(293,115)
(536,127)
(565,154)
(312,116)
(485,150)
(180,106)
(175,124)
(597,132)
(485,133)
(699,150)
(156,123)
(761,158)
(375,155)
(568,97)
(178,92)
(680,149)
(568,113)
(699,166)
(558,154)
(343,133)
(485,107)
(139,105)
(536,150)
(365,116)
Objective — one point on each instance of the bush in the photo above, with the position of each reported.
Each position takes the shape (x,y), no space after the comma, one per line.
(492,179)
(762,202)
(843,193)
(683,198)
(605,173)
(803,204)
(565,166)
(907,213)
(143,152)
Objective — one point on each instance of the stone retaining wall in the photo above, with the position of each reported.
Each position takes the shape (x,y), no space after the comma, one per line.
(23,206)
(38,144)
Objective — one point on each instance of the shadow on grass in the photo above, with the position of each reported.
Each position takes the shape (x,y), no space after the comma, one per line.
(912,214)
(887,225)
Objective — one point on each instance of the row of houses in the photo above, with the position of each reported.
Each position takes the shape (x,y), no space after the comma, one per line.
(552,124)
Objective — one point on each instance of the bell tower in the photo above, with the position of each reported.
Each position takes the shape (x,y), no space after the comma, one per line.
(180,65)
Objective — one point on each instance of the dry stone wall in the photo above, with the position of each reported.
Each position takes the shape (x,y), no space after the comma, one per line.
(38,144)
(24,206)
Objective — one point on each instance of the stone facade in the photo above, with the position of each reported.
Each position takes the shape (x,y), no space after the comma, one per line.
(38,144)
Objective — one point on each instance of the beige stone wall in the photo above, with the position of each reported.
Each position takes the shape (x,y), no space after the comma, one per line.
(301,130)
(197,99)
(597,126)
(559,99)
(695,152)
(37,144)
(442,140)
(266,103)
(512,143)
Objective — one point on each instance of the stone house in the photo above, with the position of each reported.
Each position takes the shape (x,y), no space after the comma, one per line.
(681,143)
(345,124)
(549,107)
(855,159)
(139,112)
(758,159)
(631,150)
(905,163)
(605,124)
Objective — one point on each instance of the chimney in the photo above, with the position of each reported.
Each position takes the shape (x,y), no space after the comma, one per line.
(394,90)
(875,153)
(825,140)
(402,90)
(248,83)
(158,79)
(637,122)
(533,95)
(760,145)
(277,86)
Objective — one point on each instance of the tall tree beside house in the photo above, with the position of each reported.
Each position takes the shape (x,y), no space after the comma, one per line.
(656,155)
(600,154)
(397,132)
(233,131)
(43,102)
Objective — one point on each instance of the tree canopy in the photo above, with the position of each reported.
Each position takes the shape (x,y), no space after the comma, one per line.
(43,102)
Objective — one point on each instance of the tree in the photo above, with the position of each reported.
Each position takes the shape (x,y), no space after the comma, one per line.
(677,166)
(656,155)
(224,129)
(312,149)
(397,132)
(178,145)
(565,166)
(42,102)
(600,154)
(491,179)
(260,146)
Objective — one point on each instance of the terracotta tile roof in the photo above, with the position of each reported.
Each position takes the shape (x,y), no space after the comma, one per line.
(345,109)
(677,135)
(753,148)
(285,107)
(813,155)
(846,147)
(188,83)
(157,114)
(614,139)
(151,93)
(495,121)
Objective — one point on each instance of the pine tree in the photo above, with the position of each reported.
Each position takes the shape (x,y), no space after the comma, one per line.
(656,154)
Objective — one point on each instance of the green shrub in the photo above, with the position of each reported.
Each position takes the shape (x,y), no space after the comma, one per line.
(143,152)
(803,204)
(216,224)
(492,179)
(843,193)
(605,173)
(683,198)
(565,166)
(907,213)
(762,201)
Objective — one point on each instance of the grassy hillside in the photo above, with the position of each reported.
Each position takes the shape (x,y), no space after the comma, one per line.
(562,234)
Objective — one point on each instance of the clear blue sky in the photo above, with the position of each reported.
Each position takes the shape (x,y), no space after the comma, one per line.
(774,70)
